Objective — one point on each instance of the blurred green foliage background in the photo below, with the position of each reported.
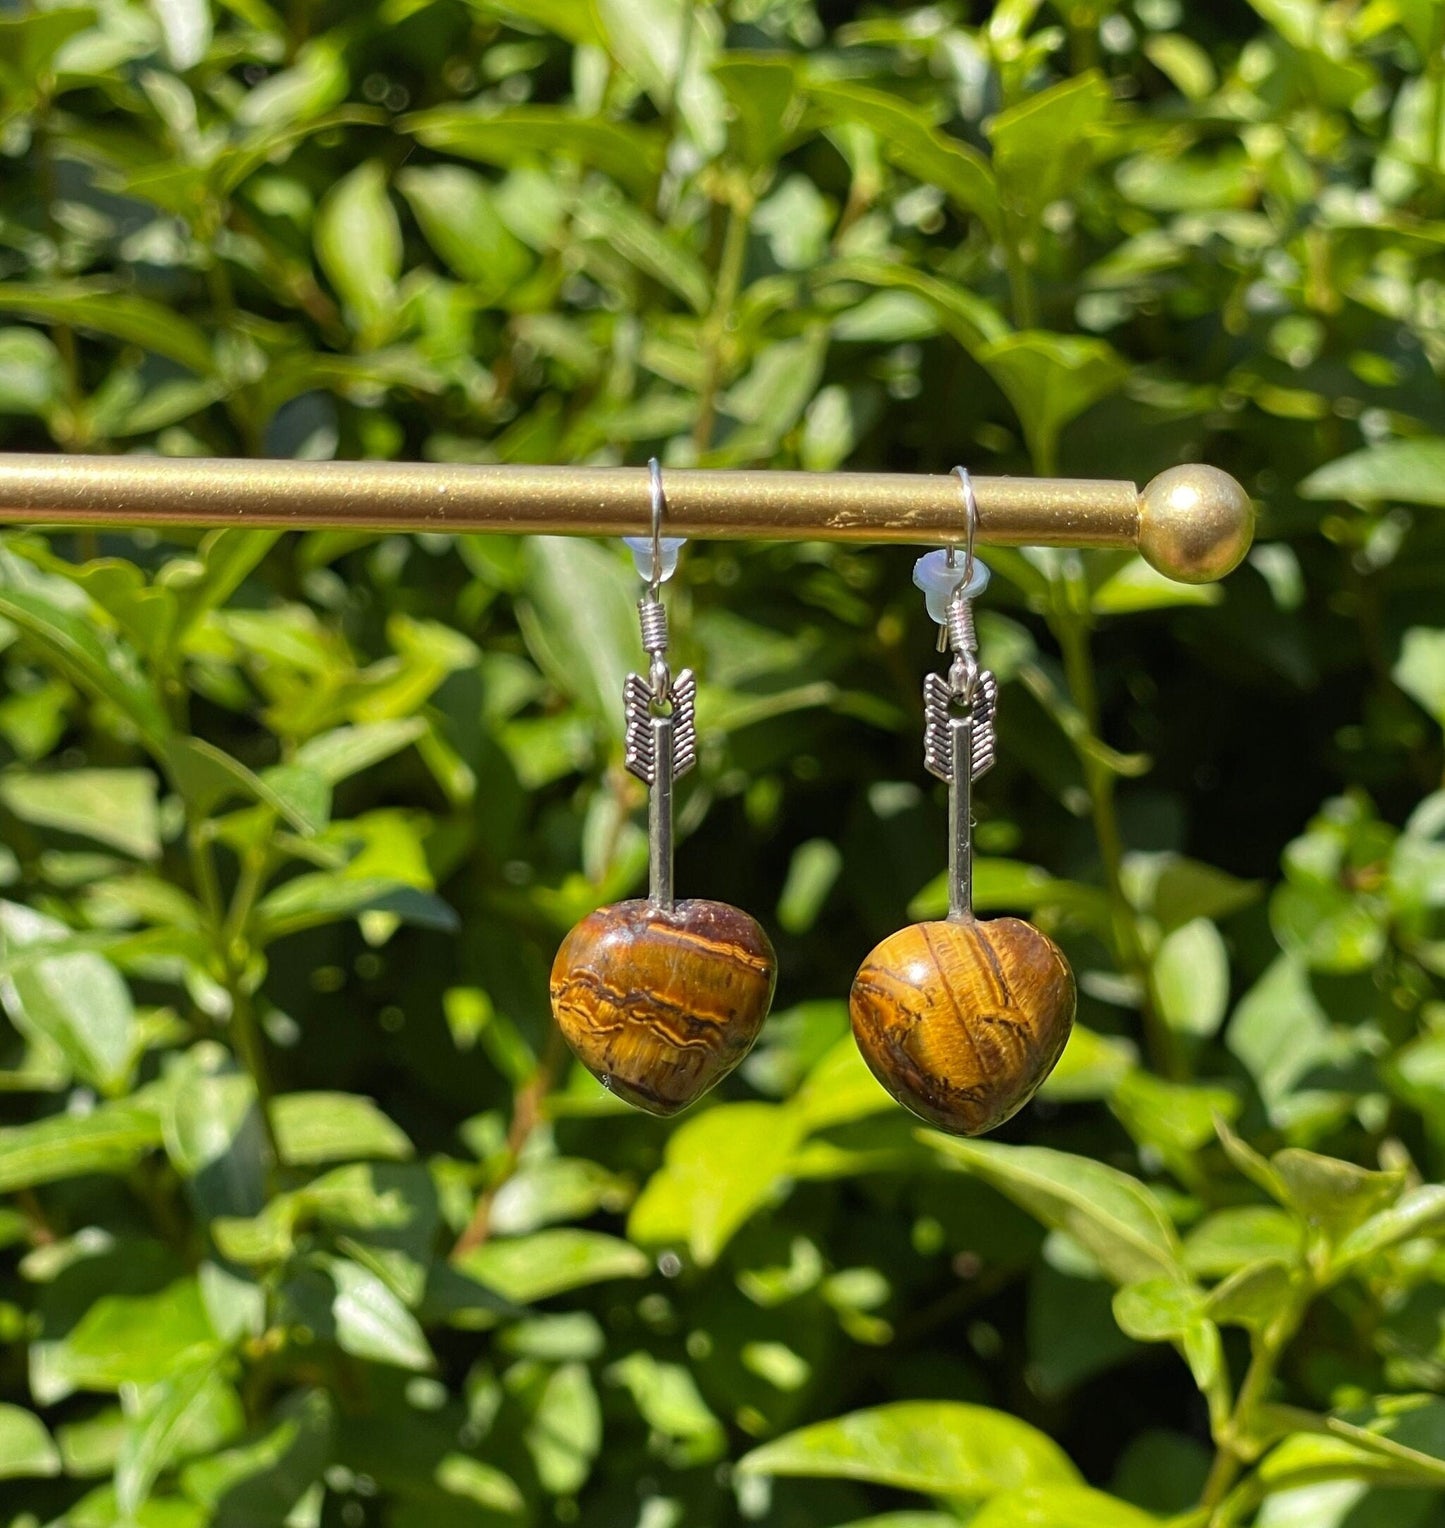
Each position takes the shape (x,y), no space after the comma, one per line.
(306,1221)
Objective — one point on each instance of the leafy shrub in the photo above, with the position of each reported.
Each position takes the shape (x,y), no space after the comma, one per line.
(306,1220)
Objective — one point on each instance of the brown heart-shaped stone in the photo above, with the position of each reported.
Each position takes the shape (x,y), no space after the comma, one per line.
(961,1021)
(661,1003)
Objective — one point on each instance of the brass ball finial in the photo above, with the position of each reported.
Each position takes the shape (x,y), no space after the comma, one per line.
(1195,524)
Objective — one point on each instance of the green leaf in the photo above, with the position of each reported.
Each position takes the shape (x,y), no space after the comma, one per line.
(100,307)
(1280,1032)
(565,1432)
(668,47)
(334,1127)
(458,213)
(1158,1310)
(1174,890)
(108,671)
(1419,1211)
(262,1480)
(1254,1296)
(1333,1196)
(26,1447)
(346,751)
(224,558)
(909,140)
(969,318)
(309,901)
(208,777)
(1005,885)
(1229,1239)
(905,1520)
(358,242)
(315,82)
(78,1003)
(112,806)
(1420,669)
(943,1448)
(579,24)
(213,1134)
(631,155)
(372,1323)
(481,1484)
(1327,926)
(186,30)
(1050,379)
(126,1340)
(1187,65)
(112,1139)
(549,1263)
(608,217)
(1043,146)
(718,1170)
(558,1188)
(580,621)
(1111,1215)
(762,93)
(1396,471)
(32,376)
(1061,1507)
(357,1197)
(839,1089)
(1248,1161)
(1190,979)
(671,1404)
(812,873)
(1136,586)
(1092,1066)
(1175,1117)
(178,1404)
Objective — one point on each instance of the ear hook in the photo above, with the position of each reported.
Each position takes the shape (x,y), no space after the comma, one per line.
(659,507)
(940,577)
(655,555)
(970,504)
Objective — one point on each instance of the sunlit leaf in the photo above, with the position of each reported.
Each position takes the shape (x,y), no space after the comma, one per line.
(547,1263)
(944,1448)
(719,1169)
(113,806)
(26,1447)
(1112,1215)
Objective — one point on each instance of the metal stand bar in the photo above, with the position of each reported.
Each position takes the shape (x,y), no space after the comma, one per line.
(1191,523)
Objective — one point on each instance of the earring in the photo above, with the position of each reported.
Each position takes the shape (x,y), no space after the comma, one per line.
(659,999)
(961,1020)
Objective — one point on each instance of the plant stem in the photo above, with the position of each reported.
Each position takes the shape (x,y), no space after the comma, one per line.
(526,1116)
(245,1030)
(250,1047)
(1071,628)
(715,327)
(1022,296)
(203,873)
(1230,1458)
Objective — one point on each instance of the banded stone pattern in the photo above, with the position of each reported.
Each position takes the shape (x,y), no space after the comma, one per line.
(661,1003)
(962,1020)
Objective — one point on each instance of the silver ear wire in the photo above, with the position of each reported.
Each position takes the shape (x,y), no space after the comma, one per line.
(970,509)
(959,738)
(659,507)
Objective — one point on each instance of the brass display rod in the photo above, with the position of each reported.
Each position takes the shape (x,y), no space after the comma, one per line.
(1191,523)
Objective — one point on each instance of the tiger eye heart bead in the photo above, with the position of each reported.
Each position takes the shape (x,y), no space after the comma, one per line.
(961,1021)
(661,1003)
